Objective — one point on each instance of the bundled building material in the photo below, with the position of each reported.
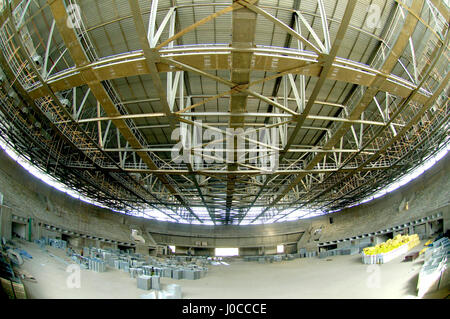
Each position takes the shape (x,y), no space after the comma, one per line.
(57,243)
(111,260)
(433,274)
(156,283)
(191,274)
(270,258)
(10,283)
(177,273)
(157,271)
(262,260)
(389,250)
(97,265)
(278,258)
(144,282)
(290,256)
(188,274)
(80,260)
(167,272)
(147,270)
(121,265)
(136,263)
(339,251)
(349,251)
(13,288)
(136,272)
(41,242)
(184,258)
(14,256)
(412,256)
(310,254)
(251,258)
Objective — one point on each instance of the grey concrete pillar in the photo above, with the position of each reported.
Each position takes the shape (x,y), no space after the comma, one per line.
(1,215)
(37,231)
(446,219)
(6,223)
(142,249)
(427,230)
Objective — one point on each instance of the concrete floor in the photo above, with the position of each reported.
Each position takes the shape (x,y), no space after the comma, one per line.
(336,277)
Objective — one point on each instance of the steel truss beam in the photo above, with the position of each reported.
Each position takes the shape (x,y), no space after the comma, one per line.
(364,100)
(296,62)
(364,127)
(101,93)
(151,57)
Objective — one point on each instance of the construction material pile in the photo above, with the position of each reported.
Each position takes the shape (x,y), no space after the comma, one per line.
(138,265)
(339,251)
(433,275)
(392,248)
(266,259)
(97,265)
(280,257)
(56,243)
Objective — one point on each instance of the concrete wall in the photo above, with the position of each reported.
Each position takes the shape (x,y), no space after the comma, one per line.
(26,196)
(225,236)
(427,195)
(249,251)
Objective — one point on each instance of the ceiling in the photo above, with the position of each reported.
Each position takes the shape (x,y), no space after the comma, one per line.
(313,105)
